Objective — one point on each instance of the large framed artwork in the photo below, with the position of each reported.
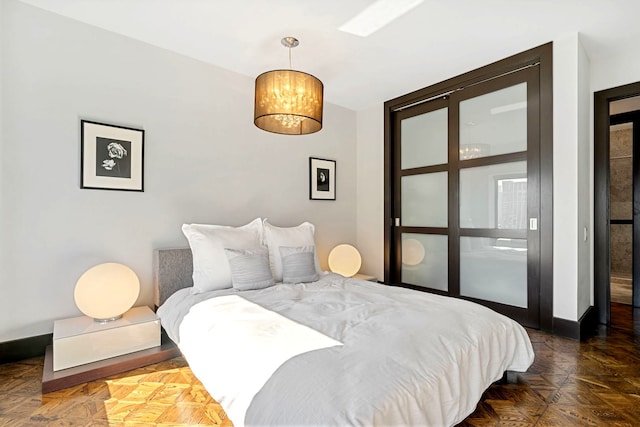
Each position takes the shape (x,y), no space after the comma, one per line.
(111,157)
(322,179)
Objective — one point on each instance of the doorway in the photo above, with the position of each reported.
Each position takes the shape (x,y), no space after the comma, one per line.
(624,176)
(616,199)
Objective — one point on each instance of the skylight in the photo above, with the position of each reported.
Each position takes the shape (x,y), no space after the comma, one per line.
(377,15)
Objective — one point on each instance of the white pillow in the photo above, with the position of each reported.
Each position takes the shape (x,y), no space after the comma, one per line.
(211,269)
(275,237)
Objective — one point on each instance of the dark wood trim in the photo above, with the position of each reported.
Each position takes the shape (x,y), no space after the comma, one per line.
(424,230)
(424,169)
(493,233)
(578,330)
(566,328)
(57,380)
(453,197)
(494,160)
(618,119)
(588,323)
(601,248)
(545,222)
(388,220)
(635,291)
(621,221)
(25,348)
(601,182)
(488,72)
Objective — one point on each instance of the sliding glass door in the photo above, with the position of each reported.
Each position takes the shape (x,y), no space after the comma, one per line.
(466,194)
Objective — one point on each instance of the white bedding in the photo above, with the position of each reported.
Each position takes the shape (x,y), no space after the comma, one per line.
(409,358)
(255,342)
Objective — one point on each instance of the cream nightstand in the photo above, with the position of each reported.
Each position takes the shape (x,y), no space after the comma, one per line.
(365,277)
(84,350)
(82,340)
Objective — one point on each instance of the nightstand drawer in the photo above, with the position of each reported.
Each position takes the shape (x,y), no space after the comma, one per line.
(81,340)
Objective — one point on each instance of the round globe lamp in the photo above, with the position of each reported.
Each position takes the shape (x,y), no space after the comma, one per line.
(345,260)
(106,291)
(412,252)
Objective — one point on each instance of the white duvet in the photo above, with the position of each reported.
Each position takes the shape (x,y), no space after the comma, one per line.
(235,345)
(408,358)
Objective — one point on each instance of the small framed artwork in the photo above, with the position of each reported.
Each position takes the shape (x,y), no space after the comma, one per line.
(111,157)
(322,179)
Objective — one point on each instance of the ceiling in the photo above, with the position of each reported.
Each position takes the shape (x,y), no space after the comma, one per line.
(436,40)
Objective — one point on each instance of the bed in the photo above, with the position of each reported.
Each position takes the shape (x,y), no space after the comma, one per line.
(335,351)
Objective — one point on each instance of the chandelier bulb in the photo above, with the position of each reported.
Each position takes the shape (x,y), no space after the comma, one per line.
(290,42)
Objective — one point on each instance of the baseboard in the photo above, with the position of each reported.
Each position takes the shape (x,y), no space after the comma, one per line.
(578,330)
(25,348)
(589,323)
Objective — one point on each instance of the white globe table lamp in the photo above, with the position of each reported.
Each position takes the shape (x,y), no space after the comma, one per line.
(345,260)
(106,291)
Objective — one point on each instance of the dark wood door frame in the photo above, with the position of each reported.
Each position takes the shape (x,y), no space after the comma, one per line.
(601,212)
(542,56)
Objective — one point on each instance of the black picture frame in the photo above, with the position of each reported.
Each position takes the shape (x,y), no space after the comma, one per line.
(322,179)
(111,157)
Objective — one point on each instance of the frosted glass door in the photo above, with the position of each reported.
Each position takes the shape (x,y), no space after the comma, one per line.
(493,197)
(424,189)
(462,190)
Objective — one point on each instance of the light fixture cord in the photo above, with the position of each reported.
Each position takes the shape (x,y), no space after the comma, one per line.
(290,58)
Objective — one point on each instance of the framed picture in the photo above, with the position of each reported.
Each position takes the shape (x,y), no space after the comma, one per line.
(322,179)
(111,157)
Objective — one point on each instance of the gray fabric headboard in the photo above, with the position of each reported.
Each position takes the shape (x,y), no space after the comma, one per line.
(172,271)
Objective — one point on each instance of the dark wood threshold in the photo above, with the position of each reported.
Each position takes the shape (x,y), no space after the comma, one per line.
(52,381)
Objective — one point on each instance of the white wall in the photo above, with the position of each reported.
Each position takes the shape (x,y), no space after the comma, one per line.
(572,206)
(3,37)
(619,69)
(370,182)
(585,185)
(205,161)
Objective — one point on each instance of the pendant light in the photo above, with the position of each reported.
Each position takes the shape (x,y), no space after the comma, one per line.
(288,101)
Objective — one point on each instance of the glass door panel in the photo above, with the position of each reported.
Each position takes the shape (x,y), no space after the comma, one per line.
(424,260)
(423,186)
(424,200)
(494,269)
(493,200)
(494,197)
(424,139)
(494,123)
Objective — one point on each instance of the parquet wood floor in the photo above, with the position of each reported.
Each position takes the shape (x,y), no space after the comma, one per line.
(593,383)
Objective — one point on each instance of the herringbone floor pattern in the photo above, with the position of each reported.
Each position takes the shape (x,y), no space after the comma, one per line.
(594,383)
